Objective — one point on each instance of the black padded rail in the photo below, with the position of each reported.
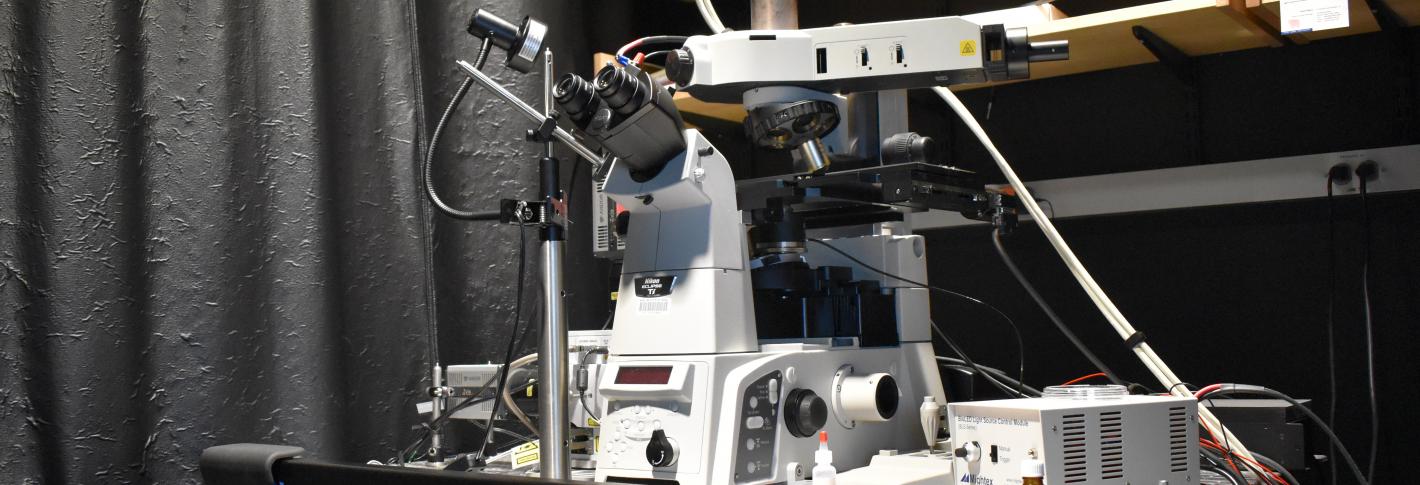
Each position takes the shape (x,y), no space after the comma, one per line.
(302,471)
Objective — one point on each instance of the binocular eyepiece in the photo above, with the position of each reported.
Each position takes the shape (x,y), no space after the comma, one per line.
(628,113)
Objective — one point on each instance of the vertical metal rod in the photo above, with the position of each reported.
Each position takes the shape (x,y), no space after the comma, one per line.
(436,403)
(552,369)
(552,350)
(774,14)
(547,80)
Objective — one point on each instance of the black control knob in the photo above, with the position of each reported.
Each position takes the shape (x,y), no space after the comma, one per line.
(623,223)
(680,66)
(804,413)
(661,451)
(909,147)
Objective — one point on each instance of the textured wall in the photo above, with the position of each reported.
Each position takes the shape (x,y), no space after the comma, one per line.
(210,230)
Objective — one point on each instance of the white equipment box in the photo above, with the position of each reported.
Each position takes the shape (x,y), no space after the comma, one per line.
(1087,438)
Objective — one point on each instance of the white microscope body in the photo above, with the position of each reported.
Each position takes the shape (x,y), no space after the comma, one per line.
(698,389)
(693,396)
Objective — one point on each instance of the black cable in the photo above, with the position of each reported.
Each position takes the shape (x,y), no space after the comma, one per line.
(582,397)
(997,373)
(672,40)
(1331,318)
(427,174)
(426,222)
(609,317)
(429,427)
(572,185)
(1020,343)
(512,337)
(1049,204)
(654,54)
(965,358)
(1276,467)
(582,379)
(1330,434)
(1370,332)
(1217,460)
(505,431)
(1223,472)
(1050,312)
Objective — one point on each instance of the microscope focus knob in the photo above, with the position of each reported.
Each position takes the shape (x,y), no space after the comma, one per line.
(680,66)
(661,451)
(909,147)
(804,413)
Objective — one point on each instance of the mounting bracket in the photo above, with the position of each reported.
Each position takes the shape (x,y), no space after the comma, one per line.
(1179,63)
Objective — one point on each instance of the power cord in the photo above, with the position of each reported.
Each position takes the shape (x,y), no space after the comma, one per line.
(1020,343)
(512,340)
(1215,464)
(1131,336)
(1230,389)
(955,363)
(1276,467)
(427,174)
(1340,174)
(428,428)
(1366,172)
(1050,312)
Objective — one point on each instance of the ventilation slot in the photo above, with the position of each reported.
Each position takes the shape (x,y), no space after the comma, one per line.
(1178,439)
(1073,444)
(1111,445)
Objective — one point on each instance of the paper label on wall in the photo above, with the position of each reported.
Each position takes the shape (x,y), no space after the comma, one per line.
(1299,16)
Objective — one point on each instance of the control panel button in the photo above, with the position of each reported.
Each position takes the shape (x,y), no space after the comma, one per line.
(774,391)
(754,422)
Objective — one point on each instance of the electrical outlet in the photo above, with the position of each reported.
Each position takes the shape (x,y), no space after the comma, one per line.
(1351,160)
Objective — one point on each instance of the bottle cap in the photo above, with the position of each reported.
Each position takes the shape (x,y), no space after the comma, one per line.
(823,456)
(1031,467)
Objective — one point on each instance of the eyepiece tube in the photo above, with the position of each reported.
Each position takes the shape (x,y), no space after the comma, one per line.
(621,90)
(577,98)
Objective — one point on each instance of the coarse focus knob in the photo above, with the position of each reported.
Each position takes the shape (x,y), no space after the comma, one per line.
(804,413)
(680,66)
(909,147)
(661,451)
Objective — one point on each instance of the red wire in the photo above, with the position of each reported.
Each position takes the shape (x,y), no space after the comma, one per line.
(1273,473)
(1084,378)
(1206,390)
(1228,453)
(631,45)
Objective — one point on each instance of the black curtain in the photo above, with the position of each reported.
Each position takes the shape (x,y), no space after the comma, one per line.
(211,229)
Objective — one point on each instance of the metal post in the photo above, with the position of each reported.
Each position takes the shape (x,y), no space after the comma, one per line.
(436,403)
(774,14)
(552,350)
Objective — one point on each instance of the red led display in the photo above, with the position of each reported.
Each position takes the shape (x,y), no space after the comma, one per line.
(644,375)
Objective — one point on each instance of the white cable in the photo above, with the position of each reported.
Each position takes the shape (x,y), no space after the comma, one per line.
(1146,354)
(712,19)
(508,398)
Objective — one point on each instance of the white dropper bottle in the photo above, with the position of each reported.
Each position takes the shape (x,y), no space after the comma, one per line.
(824,473)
